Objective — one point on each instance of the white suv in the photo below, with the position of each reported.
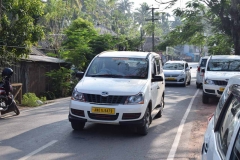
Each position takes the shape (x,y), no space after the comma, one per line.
(119,87)
(219,69)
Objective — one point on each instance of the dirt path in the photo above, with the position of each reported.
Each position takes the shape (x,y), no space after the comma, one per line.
(201,113)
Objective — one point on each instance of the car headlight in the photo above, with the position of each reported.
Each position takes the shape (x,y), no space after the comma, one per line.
(136,99)
(77,96)
(209,81)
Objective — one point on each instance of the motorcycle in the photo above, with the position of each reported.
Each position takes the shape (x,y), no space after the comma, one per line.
(7,102)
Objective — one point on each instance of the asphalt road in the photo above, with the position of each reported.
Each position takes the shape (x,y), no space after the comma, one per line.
(45,133)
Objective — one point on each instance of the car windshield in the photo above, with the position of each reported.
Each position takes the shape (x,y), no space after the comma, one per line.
(173,66)
(223,65)
(119,67)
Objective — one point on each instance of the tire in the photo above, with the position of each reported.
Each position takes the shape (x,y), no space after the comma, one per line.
(197,85)
(159,114)
(205,98)
(143,130)
(189,82)
(78,126)
(16,110)
(185,83)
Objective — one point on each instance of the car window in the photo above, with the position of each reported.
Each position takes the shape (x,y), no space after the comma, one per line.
(116,67)
(173,66)
(223,65)
(186,65)
(220,104)
(157,65)
(235,155)
(228,124)
(203,63)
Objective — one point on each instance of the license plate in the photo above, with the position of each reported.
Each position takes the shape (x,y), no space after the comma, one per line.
(100,110)
(221,89)
(171,79)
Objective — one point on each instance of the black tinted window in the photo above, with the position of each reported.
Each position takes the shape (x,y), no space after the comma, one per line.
(203,63)
(235,155)
(228,124)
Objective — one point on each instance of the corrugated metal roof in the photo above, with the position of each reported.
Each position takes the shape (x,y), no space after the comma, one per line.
(36,58)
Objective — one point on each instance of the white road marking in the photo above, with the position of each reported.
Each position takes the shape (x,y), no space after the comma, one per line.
(180,129)
(38,150)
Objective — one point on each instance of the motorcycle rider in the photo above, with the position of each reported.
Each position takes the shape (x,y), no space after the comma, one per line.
(6,75)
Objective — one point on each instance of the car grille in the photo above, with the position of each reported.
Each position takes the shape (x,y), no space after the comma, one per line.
(219,92)
(105,117)
(171,75)
(94,98)
(220,83)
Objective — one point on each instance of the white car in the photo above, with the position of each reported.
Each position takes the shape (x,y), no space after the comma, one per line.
(199,74)
(177,72)
(219,69)
(119,87)
(222,137)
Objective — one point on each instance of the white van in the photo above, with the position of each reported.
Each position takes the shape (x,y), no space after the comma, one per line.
(222,137)
(119,87)
(219,69)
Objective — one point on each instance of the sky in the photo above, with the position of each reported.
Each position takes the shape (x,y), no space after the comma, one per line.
(179,3)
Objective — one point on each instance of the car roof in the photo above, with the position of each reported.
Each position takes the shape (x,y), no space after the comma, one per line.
(176,62)
(129,54)
(205,57)
(225,57)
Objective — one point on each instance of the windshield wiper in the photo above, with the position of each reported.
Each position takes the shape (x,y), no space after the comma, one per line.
(106,75)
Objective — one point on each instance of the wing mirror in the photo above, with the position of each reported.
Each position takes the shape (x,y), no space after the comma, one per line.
(203,70)
(79,74)
(157,79)
(190,67)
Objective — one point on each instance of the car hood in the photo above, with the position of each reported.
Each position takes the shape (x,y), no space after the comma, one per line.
(167,72)
(216,75)
(114,86)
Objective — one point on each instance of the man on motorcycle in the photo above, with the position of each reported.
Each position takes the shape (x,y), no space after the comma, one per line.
(6,75)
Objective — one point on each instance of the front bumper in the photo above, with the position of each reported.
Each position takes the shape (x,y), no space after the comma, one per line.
(213,90)
(81,111)
(175,80)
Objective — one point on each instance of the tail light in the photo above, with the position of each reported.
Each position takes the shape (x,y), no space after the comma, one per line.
(198,68)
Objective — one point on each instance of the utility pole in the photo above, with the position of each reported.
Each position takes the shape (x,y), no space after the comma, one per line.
(152,26)
(0,9)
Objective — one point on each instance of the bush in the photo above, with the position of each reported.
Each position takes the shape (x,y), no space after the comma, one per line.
(30,99)
(48,95)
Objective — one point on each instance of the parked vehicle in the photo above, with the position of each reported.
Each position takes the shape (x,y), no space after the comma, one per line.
(222,137)
(7,102)
(199,74)
(119,87)
(219,69)
(177,72)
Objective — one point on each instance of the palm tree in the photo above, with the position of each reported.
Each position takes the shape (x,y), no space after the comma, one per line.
(142,13)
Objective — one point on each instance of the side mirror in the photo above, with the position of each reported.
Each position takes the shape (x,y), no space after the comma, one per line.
(203,70)
(157,79)
(190,67)
(79,74)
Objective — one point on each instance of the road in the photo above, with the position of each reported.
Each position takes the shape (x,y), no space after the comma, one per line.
(45,133)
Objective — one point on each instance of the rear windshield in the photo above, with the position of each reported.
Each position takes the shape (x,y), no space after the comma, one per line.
(173,66)
(203,63)
(223,65)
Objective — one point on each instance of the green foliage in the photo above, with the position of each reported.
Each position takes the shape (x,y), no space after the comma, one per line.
(19,29)
(76,46)
(49,95)
(30,99)
(60,82)
(51,54)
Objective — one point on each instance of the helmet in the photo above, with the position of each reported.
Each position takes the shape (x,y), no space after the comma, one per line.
(7,72)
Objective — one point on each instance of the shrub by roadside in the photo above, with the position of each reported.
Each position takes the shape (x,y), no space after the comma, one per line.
(31,100)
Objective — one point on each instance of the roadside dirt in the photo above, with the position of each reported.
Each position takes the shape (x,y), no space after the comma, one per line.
(201,113)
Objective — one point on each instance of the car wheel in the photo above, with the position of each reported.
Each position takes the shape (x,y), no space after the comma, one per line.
(159,114)
(189,82)
(197,85)
(78,125)
(143,130)
(185,82)
(205,98)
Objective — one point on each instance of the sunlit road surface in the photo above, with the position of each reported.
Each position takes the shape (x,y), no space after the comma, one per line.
(45,133)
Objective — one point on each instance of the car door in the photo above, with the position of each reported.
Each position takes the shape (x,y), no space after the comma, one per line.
(159,72)
(187,70)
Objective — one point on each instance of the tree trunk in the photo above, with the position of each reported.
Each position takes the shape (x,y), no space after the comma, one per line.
(235,13)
